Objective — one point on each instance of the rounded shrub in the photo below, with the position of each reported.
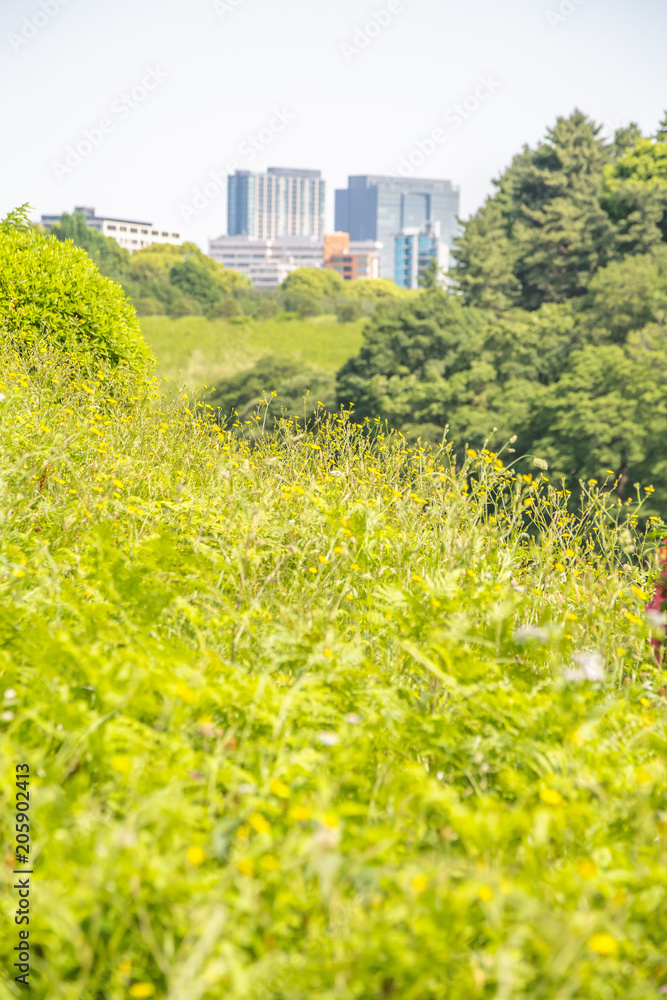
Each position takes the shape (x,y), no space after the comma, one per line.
(52,294)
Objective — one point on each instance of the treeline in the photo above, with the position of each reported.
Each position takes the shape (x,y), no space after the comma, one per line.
(175,281)
(554,328)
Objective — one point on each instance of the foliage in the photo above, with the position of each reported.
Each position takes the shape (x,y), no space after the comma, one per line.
(17,218)
(284,386)
(51,293)
(635,195)
(542,376)
(561,212)
(313,282)
(112,260)
(323,717)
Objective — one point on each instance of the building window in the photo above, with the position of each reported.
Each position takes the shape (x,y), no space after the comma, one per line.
(154,232)
(144,232)
(123,229)
(133,231)
(110,228)
(166,234)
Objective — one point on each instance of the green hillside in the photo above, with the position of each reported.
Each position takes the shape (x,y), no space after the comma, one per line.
(322,718)
(202,350)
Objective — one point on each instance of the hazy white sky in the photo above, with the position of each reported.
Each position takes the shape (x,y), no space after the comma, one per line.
(182,87)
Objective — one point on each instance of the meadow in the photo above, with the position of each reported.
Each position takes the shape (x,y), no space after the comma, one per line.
(199,351)
(324,717)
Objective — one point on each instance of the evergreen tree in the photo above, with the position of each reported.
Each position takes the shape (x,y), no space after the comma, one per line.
(661,134)
(544,233)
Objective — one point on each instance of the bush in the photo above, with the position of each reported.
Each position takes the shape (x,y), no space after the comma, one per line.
(52,293)
(347,312)
(288,388)
(149,306)
(226,308)
(184,306)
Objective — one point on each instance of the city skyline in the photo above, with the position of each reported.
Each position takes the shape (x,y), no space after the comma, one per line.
(407,87)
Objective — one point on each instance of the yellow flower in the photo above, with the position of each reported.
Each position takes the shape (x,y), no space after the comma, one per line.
(328,654)
(125,968)
(603,944)
(246,866)
(243,832)
(123,765)
(419,883)
(185,693)
(587,868)
(571,617)
(485,892)
(299,813)
(270,863)
(642,776)
(142,990)
(279,788)
(258,823)
(645,702)
(196,856)
(551,796)
(331,820)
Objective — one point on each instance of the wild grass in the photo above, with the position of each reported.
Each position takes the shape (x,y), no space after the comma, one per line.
(324,717)
(198,351)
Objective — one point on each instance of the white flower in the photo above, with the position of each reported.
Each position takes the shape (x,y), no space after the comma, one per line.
(531,633)
(590,668)
(9,695)
(353,719)
(2,397)
(539,463)
(328,739)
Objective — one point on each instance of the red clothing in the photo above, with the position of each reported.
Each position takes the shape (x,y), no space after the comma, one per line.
(660,595)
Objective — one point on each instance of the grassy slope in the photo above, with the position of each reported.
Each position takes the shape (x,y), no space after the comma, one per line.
(298,723)
(203,351)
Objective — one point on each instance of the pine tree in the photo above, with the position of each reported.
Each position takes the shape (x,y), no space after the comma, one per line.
(543,234)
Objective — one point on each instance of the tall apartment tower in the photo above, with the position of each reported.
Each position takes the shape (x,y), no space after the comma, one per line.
(281,202)
(381,208)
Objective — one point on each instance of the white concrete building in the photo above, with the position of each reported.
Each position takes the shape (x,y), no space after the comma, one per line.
(266,262)
(127,233)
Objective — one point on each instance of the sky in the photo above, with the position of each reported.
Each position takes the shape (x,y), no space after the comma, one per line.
(139,107)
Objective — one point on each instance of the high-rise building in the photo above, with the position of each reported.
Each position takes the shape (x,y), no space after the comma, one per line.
(414,250)
(281,202)
(380,208)
(128,233)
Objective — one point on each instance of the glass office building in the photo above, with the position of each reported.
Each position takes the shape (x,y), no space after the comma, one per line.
(281,202)
(414,250)
(381,208)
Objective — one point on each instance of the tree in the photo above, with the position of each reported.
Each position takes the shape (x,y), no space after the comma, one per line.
(297,391)
(543,234)
(625,138)
(625,296)
(635,196)
(607,416)
(111,259)
(196,282)
(418,362)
